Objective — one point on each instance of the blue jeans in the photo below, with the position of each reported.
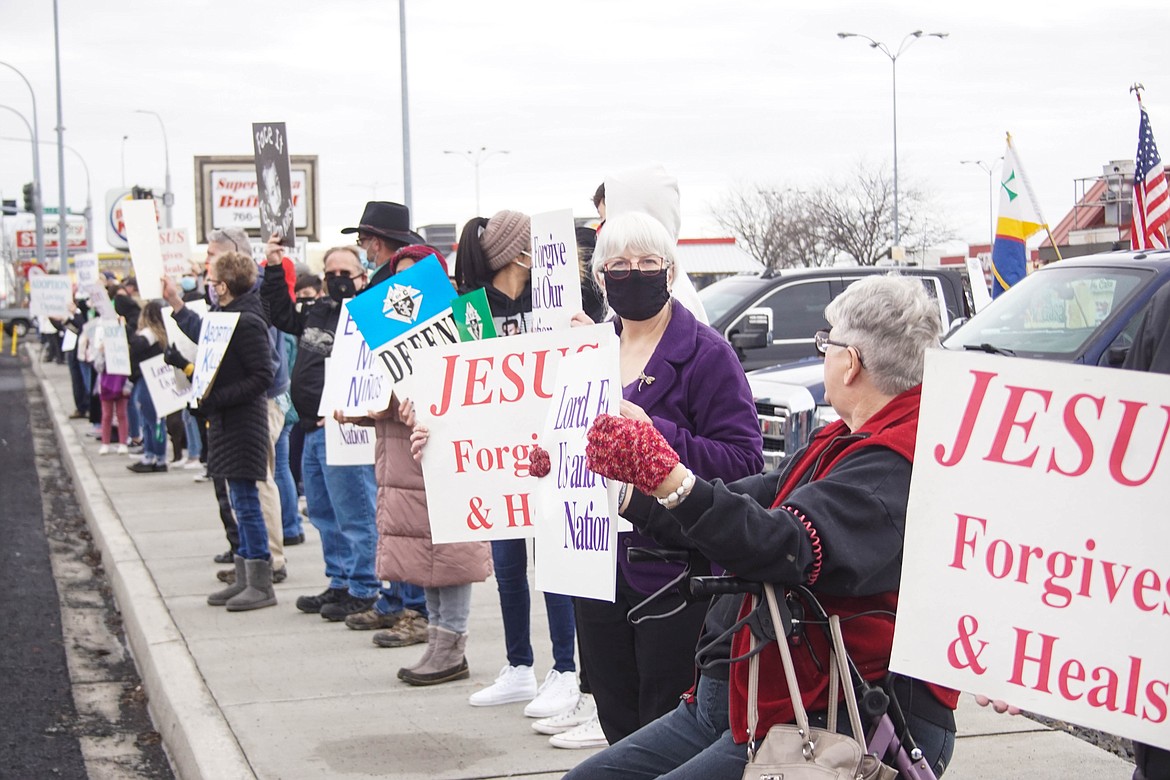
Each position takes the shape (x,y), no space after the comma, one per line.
(249,519)
(402,595)
(154,430)
(289,516)
(79,375)
(194,442)
(341,508)
(133,416)
(510,559)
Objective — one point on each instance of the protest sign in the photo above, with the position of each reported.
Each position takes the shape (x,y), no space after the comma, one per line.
(1034,568)
(274,181)
(50,295)
(85,265)
(408,312)
(214,336)
(169,389)
(484,403)
(114,347)
(69,340)
(473,316)
(576,541)
(141,222)
(556,271)
(355,381)
(176,251)
(175,336)
(347,444)
(99,298)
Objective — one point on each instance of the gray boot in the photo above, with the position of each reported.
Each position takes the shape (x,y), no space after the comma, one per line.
(259,592)
(446,663)
(426,656)
(221,597)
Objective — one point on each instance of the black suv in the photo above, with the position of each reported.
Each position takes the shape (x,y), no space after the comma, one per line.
(771,318)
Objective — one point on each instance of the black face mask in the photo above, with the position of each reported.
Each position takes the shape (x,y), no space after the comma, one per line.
(637,297)
(340,287)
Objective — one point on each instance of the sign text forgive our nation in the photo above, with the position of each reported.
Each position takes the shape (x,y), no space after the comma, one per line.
(1081,445)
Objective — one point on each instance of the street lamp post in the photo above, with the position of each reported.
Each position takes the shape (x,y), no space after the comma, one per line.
(406,177)
(63,213)
(168,196)
(987,168)
(475,158)
(906,43)
(38,205)
(88,189)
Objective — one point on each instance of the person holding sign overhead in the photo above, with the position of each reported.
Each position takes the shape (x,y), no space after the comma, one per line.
(494,254)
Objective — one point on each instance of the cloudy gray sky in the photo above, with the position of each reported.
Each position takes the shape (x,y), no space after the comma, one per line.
(723,94)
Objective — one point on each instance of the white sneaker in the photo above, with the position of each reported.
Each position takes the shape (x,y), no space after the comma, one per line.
(584,711)
(587,735)
(104,449)
(192,463)
(558,693)
(514,683)
(123,449)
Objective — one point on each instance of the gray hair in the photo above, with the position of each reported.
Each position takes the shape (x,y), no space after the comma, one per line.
(892,322)
(232,236)
(633,232)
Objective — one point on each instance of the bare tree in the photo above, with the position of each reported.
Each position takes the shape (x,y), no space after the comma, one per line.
(776,226)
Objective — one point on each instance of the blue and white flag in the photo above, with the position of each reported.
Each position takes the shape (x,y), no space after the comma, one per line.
(402,303)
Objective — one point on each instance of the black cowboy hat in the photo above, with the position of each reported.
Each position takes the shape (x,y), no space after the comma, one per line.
(387,220)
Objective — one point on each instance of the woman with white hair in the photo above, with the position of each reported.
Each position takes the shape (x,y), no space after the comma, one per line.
(683,379)
(831,519)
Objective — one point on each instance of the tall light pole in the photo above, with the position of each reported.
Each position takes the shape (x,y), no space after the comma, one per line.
(88,189)
(38,204)
(168,196)
(475,158)
(987,168)
(125,138)
(406,196)
(906,43)
(62,212)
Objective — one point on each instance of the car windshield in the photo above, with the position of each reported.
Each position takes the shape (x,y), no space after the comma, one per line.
(1051,313)
(718,298)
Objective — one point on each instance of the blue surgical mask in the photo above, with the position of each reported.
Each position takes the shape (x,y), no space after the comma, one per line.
(362,257)
(187,283)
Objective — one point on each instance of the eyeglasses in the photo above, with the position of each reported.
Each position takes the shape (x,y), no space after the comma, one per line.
(620,267)
(822,342)
(212,281)
(346,274)
(361,241)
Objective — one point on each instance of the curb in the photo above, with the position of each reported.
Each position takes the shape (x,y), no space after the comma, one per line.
(195,733)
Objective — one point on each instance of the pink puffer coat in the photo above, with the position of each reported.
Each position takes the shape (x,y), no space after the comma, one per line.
(405,550)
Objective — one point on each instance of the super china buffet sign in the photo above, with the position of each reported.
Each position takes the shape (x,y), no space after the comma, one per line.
(1036,567)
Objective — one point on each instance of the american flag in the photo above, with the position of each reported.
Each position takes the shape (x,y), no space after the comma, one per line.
(1151,200)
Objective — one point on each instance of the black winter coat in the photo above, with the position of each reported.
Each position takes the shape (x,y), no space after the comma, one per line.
(236,406)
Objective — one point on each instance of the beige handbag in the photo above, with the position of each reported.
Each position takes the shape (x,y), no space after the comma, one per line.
(798,752)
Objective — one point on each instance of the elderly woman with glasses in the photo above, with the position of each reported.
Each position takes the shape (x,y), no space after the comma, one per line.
(683,379)
(831,519)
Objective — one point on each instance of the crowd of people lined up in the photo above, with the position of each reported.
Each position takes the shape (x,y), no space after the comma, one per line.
(686,448)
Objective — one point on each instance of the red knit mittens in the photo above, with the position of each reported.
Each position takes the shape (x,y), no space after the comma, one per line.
(629,451)
(539,462)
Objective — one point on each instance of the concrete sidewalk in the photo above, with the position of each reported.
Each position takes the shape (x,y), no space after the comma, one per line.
(280,694)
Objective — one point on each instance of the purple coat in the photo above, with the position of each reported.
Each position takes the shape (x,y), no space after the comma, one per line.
(697,395)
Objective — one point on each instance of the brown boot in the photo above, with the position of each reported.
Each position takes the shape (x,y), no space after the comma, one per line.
(447,662)
(410,629)
(426,656)
(219,598)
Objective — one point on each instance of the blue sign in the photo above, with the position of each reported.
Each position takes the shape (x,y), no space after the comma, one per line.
(402,303)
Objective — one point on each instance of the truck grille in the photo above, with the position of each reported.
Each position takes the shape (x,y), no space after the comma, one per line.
(774,427)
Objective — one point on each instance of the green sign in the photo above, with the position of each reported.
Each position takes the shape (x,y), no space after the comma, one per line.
(473,316)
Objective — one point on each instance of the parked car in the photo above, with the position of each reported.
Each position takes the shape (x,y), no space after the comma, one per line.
(16,319)
(770,318)
(1085,310)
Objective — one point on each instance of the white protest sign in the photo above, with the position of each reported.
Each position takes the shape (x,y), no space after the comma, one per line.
(355,381)
(485,403)
(1035,563)
(115,348)
(347,444)
(556,272)
(175,244)
(175,336)
(141,224)
(49,295)
(576,540)
(214,336)
(69,340)
(99,298)
(85,265)
(169,389)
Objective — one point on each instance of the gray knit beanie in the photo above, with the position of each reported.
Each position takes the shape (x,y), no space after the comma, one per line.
(507,234)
